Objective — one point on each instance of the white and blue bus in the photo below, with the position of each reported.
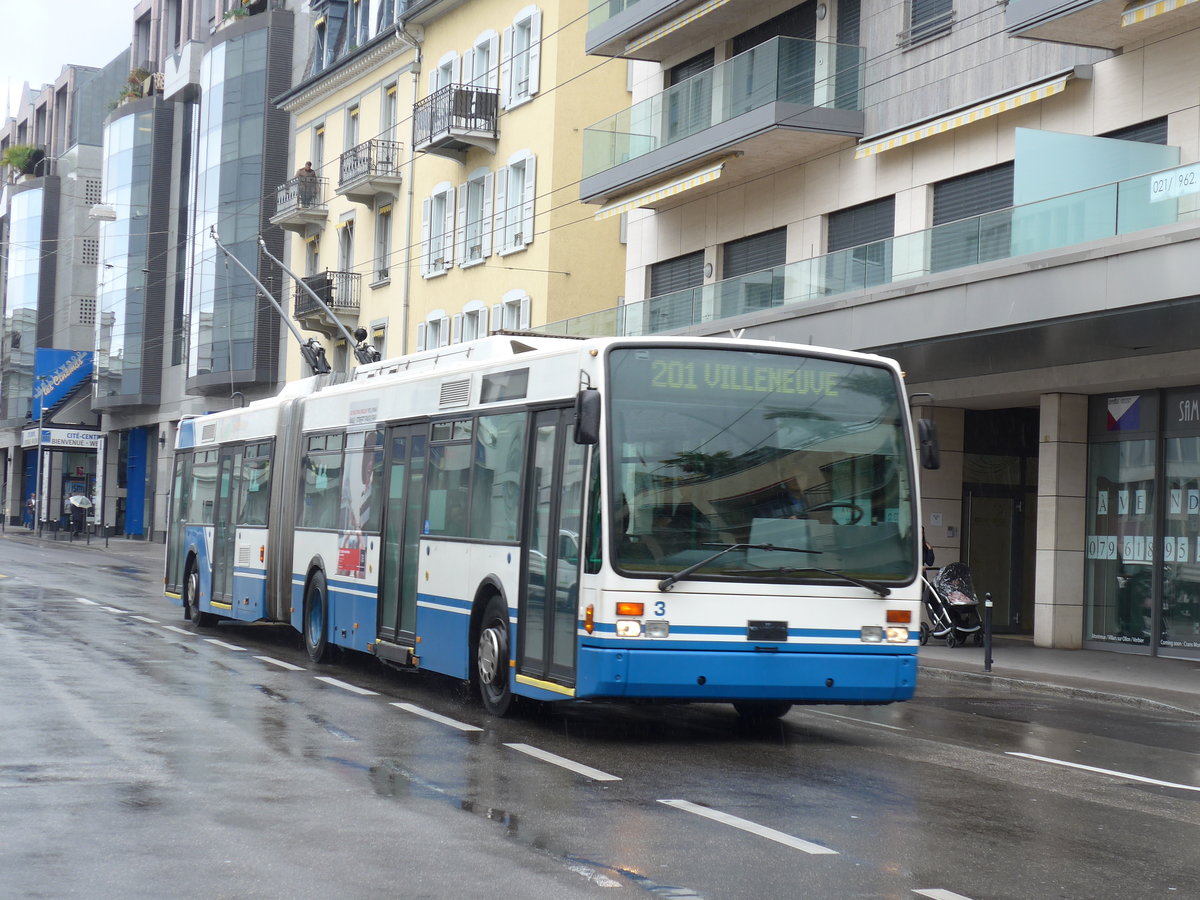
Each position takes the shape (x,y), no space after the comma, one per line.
(667,518)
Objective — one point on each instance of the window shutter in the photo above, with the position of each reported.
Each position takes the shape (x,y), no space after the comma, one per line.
(755,253)
(973,194)
(433,80)
(468,67)
(498,316)
(444,331)
(448,230)
(481,316)
(493,73)
(501,208)
(426,209)
(485,227)
(677,274)
(460,233)
(865,224)
(456,329)
(456,70)
(525,313)
(506,69)
(535,50)
(530,194)
(420,335)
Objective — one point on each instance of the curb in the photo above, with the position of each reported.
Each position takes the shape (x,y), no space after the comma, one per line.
(1003,682)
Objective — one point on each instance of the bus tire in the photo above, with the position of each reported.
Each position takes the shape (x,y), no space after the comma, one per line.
(191,598)
(761,710)
(316,617)
(491,658)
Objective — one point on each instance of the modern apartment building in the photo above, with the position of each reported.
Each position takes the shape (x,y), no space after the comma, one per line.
(1003,197)
(444,142)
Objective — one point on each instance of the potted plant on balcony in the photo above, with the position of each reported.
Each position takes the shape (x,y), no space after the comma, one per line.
(23,158)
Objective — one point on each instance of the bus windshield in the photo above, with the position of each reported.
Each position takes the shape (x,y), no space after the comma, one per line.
(797,466)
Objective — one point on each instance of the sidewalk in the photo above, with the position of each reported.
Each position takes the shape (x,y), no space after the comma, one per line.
(1169,685)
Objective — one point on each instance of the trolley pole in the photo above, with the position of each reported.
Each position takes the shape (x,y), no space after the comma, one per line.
(987,632)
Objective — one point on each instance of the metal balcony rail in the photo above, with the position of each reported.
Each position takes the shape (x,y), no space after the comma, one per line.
(787,70)
(370,158)
(456,107)
(340,291)
(1124,207)
(301,192)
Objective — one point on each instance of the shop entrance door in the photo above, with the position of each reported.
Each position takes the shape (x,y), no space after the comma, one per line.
(999,532)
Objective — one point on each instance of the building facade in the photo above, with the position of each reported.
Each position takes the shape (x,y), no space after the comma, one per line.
(1001,197)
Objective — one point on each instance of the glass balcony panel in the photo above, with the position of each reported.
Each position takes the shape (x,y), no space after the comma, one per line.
(790,70)
(601,12)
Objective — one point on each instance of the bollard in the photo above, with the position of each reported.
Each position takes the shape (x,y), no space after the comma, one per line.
(987,632)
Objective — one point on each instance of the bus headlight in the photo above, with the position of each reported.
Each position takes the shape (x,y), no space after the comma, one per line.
(872,634)
(629,628)
(896,635)
(658,628)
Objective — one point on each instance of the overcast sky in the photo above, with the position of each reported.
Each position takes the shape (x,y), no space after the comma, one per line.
(38,38)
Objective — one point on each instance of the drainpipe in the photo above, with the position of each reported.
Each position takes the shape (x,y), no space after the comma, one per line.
(406,288)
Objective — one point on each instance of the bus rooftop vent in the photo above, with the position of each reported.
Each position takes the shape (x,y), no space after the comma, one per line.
(455,393)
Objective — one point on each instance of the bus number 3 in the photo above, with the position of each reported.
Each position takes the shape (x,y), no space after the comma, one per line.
(660,608)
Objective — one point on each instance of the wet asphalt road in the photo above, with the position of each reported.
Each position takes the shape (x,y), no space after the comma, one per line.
(141,757)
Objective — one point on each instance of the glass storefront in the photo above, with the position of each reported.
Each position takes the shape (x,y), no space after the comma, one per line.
(1142,575)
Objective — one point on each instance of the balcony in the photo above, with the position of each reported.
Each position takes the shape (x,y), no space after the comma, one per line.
(300,203)
(370,169)
(455,118)
(660,29)
(1111,24)
(340,291)
(786,99)
(1110,211)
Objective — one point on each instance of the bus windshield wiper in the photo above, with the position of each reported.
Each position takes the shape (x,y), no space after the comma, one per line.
(665,584)
(879,589)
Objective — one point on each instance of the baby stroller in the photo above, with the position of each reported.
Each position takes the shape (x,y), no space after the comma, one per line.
(951,606)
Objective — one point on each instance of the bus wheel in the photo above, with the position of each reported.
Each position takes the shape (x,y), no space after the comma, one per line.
(191,599)
(492,658)
(761,710)
(316,616)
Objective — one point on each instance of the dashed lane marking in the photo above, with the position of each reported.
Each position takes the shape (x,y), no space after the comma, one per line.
(939,894)
(86,601)
(428,714)
(178,630)
(752,827)
(146,619)
(352,688)
(280,663)
(554,759)
(217,643)
(855,720)
(113,609)
(1115,774)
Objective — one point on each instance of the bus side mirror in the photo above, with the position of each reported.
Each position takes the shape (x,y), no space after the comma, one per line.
(587,417)
(930,456)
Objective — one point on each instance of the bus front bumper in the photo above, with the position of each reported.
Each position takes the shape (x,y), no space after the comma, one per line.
(725,675)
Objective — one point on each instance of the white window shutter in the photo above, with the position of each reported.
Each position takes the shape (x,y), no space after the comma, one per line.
(420,335)
(468,66)
(456,70)
(485,236)
(456,330)
(444,331)
(448,230)
(501,207)
(535,50)
(460,233)
(433,80)
(497,316)
(493,74)
(481,316)
(527,200)
(506,69)
(426,209)
(525,313)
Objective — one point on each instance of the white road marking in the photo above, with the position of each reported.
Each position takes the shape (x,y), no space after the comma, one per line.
(428,714)
(354,689)
(752,827)
(146,619)
(819,712)
(178,630)
(113,609)
(87,601)
(217,643)
(1112,772)
(280,663)
(939,894)
(579,768)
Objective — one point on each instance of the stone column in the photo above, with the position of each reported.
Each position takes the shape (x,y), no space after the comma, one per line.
(1061,521)
(941,489)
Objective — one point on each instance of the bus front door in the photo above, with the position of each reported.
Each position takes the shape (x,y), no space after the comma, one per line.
(553,529)
(229,467)
(403,516)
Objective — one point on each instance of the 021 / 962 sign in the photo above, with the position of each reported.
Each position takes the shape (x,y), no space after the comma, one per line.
(1176,183)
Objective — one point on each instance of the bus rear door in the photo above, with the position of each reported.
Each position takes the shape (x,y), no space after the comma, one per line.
(229,468)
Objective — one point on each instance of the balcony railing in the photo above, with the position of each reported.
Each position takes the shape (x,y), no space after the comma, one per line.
(1110,210)
(781,70)
(370,159)
(453,110)
(606,9)
(340,291)
(304,192)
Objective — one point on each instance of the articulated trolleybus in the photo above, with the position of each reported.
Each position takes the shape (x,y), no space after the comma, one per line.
(691,519)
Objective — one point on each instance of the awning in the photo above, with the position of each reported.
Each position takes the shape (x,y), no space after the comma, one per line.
(1140,12)
(675,186)
(674,25)
(1029,94)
